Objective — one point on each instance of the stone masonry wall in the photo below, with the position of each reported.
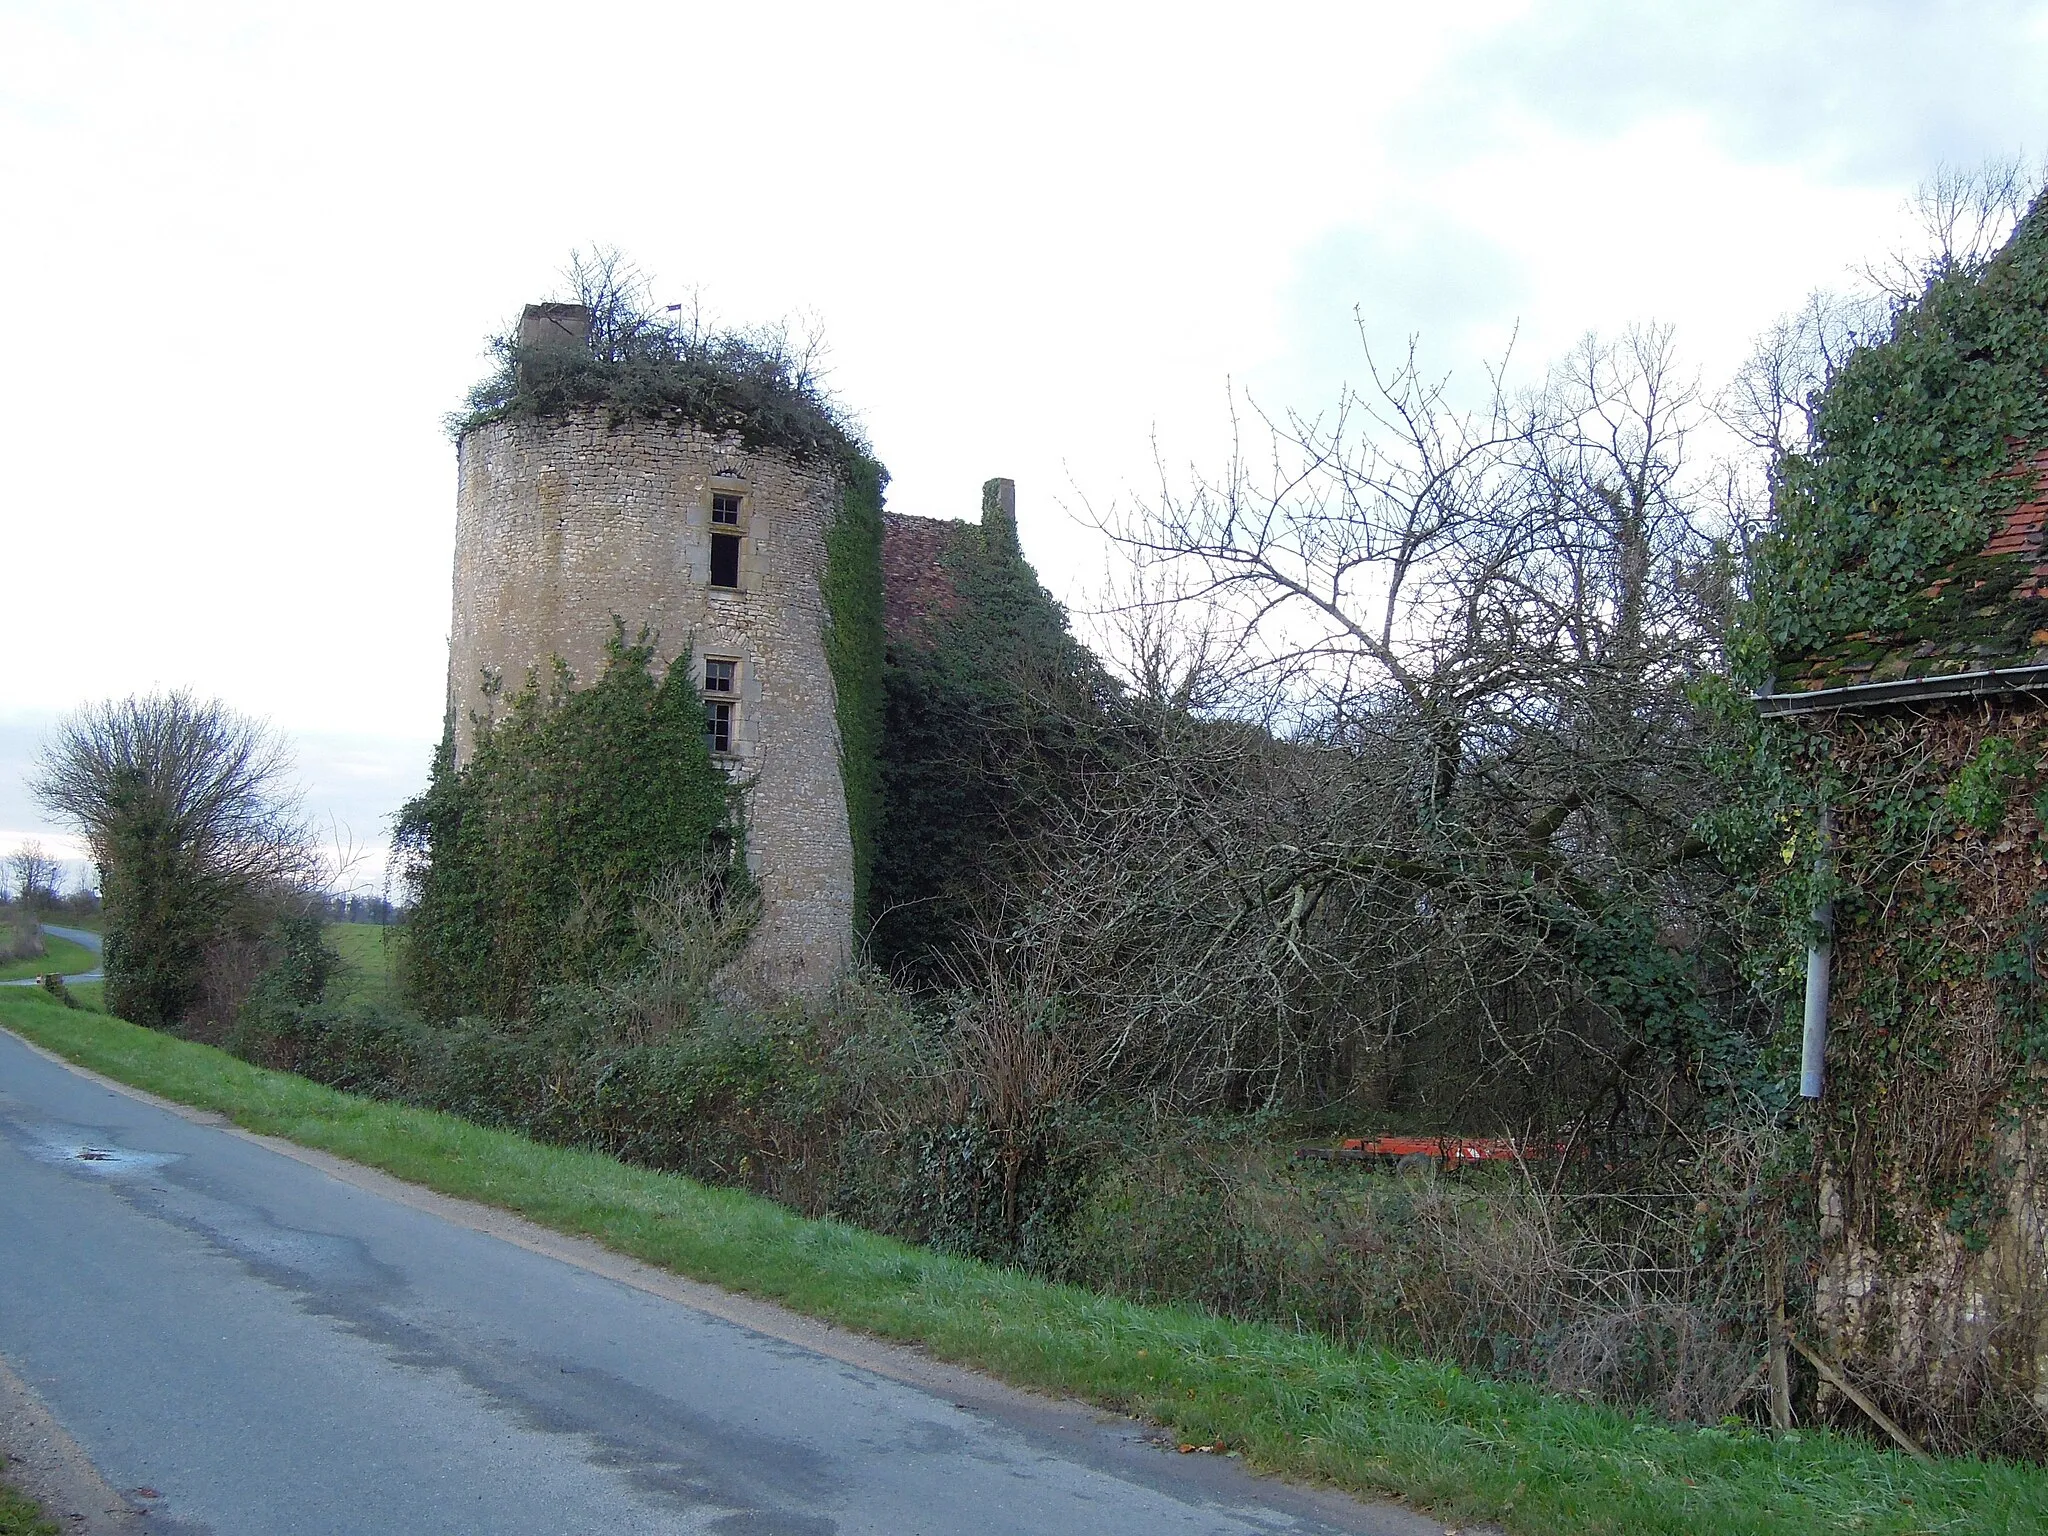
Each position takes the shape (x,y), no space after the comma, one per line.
(563,523)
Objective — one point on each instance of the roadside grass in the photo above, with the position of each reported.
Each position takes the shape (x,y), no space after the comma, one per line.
(369,954)
(60,955)
(20,1516)
(1361,1419)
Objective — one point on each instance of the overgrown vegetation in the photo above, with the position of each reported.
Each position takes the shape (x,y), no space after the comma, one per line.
(525,863)
(1919,829)
(1412,790)
(1939,1058)
(1334,851)
(646,363)
(854,644)
(994,715)
(1907,459)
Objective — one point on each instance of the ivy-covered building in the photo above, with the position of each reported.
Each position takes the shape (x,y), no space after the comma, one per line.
(1902,624)
(853,667)
(1925,1031)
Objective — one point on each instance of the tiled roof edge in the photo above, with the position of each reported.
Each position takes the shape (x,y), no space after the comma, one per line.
(1907,690)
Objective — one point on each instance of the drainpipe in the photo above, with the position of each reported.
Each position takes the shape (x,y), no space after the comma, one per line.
(1813,1040)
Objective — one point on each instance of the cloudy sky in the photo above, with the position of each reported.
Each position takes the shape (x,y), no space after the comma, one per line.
(253,250)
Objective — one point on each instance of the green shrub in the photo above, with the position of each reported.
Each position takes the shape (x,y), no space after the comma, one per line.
(525,862)
(698,1103)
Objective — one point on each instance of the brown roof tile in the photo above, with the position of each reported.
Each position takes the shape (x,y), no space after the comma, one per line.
(1988,610)
(916,585)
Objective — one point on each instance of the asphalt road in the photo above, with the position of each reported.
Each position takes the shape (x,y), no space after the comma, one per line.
(79,936)
(249,1343)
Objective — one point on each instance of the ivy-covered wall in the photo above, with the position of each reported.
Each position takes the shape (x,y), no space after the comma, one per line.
(991,710)
(1894,554)
(525,861)
(854,643)
(1927,1143)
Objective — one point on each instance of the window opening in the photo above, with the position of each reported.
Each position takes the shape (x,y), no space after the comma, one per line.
(718,725)
(725,508)
(725,560)
(718,676)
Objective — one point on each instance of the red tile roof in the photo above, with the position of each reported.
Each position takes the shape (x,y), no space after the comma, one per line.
(917,586)
(2021,533)
(1988,611)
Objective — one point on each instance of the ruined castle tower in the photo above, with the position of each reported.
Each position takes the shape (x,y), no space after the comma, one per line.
(563,522)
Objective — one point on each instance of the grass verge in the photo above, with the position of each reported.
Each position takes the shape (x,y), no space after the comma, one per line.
(20,1516)
(59,955)
(1358,1418)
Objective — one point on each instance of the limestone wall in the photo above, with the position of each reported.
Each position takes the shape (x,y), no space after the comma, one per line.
(560,524)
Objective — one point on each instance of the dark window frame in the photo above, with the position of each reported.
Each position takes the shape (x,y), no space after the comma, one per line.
(725,561)
(725,508)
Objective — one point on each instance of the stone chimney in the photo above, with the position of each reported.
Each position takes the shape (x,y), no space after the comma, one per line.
(999,514)
(554,325)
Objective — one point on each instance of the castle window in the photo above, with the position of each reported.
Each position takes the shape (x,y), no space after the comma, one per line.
(725,508)
(718,725)
(725,560)
(718,676)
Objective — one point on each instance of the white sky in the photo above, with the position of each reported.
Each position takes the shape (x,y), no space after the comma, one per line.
(252,251)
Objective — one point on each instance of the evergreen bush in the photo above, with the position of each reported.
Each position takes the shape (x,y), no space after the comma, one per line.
(525,862)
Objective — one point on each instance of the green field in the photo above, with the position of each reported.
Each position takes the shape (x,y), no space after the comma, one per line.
(60,955)
(367,952)
(1464,1447)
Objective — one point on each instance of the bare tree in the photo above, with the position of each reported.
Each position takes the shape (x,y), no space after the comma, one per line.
(35,876)
(187,808)
(1964,214)
(628,325)
(1439,795)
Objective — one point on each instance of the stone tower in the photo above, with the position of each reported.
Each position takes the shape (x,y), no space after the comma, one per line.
(564,522)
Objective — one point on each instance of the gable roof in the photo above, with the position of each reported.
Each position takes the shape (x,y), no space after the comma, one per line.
(1982,628)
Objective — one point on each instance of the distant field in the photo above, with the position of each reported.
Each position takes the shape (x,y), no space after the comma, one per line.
(368,954)
(367,951)
(60,955)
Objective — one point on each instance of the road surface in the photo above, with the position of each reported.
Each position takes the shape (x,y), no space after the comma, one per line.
(79,936)
(247,1341)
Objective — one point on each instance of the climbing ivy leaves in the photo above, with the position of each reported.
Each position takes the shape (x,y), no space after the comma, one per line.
(1915,447)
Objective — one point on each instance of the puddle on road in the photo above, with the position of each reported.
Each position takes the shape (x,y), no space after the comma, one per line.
(102,1158)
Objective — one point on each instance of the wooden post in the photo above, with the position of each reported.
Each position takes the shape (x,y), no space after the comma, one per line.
(1781,1365)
